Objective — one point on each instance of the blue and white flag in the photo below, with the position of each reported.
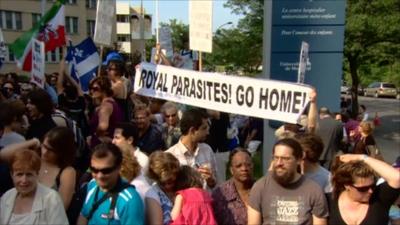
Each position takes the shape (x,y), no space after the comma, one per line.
(3,50)
(84,61)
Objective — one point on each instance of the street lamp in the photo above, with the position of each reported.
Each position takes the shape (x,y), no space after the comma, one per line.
(227,23)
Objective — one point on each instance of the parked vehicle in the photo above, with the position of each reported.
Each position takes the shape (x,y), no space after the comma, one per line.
(378,89)
(344,90)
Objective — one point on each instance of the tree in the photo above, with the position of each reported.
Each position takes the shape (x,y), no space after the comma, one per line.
(371,35)
(240,48)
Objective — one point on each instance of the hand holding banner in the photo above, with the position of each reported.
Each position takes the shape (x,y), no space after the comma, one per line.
(266,99)
(302,62)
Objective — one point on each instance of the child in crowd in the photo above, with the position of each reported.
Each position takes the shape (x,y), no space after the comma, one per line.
(193,205)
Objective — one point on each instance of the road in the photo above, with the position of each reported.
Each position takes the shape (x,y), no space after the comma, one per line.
(387,135)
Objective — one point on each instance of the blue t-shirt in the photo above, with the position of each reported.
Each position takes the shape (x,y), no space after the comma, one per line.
(129,207)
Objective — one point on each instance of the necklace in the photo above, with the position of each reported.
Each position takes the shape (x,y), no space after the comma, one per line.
(45,171)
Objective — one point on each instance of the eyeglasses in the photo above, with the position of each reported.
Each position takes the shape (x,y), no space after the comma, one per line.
(364,188)
(8,88)
(94,88)
(104,170)
(171,115)
(283,158)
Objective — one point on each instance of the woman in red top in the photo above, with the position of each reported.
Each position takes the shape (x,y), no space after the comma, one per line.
(193,205)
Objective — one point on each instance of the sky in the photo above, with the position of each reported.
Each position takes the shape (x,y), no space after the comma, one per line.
(179,9)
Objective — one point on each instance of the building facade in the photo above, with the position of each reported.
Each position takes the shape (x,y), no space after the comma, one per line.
(17,17)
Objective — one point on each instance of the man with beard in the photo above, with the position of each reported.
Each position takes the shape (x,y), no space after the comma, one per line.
(284,196)
(191,151)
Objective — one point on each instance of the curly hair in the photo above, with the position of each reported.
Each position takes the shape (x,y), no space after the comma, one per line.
(104,84)
(162,166)
(42,100)
(130,167)
(347,173)
(312,146)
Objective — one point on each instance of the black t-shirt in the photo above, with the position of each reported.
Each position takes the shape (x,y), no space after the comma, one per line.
(40,127)
(75,110)
(378,211)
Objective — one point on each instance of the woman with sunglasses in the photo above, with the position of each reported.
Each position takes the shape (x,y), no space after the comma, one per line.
(355,198)
(107,114)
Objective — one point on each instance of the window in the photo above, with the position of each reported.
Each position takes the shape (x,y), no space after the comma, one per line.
(54,56)
(71,24)
(91,4)
(10,20)
(123,37)
(10,55)
(35,18)
(71,2)
(90,24)
(123,18)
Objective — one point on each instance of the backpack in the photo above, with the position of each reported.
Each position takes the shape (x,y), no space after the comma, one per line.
(82,152)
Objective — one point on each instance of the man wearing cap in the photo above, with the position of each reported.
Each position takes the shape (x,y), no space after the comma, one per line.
(331,132)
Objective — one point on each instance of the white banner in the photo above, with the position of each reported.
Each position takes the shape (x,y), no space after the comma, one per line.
(105,20)
(301,74)
(38,60)
(200,25)
(266,99)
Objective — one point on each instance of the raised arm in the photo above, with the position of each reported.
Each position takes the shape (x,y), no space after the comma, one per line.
(7,152)
(312,112)
(386,171)
(60,79)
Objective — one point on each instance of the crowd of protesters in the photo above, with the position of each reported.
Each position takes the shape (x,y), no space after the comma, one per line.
(113,157)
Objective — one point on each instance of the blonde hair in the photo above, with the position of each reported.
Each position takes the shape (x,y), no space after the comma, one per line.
(162,166)
(366,127)
(130,167)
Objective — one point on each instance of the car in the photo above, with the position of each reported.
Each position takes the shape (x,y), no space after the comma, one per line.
(344,90)
(378,89)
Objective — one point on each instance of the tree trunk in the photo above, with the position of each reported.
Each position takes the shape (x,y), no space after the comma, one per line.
(354,85)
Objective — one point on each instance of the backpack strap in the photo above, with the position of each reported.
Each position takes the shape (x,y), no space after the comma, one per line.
(114,196)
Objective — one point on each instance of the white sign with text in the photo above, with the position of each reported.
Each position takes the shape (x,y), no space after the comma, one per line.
(268,99)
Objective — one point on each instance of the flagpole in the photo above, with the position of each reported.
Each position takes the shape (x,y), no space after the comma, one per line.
(157,21)
(200,62)
(100,61)
(43,7)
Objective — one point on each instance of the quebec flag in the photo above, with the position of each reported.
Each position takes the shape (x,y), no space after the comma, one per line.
(84,61)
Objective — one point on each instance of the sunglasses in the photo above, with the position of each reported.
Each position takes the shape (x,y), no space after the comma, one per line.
(104,170)
(168,116)
(364,188)
(110,69)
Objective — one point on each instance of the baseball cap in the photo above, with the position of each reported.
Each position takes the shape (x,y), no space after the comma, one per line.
(114,56)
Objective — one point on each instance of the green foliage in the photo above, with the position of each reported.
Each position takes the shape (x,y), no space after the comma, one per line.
(372,43)
(239,49)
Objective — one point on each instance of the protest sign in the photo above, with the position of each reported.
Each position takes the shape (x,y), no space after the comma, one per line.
(166,41)
(105,20)
(37,72)
(266,99)
(302,62)
(200,25)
